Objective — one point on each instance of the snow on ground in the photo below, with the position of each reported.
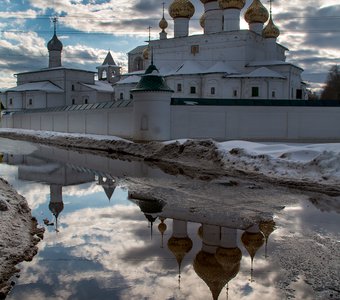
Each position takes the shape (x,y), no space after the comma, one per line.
(299,163)
(17,234)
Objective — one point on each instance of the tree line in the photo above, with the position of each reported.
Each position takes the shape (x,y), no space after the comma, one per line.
(331,91)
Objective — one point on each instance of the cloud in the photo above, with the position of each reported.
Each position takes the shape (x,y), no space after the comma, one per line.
(87,27)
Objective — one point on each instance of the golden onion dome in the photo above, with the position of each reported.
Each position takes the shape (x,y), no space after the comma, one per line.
(229,259)
(181,9)
(270,31)
(252,241)
(226,4)
(267,227)
(163,24)
(211,272)
(256,13)
(162,227)
(146,53)
(179,247)
(202,20)
(228,256)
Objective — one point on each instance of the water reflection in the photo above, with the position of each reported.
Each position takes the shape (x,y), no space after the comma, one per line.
(103,242)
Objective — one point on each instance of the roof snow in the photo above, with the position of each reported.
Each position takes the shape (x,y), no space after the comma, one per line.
(99,86)
(188,67)
(221,67)
(44,86)
(260,72)
(129,79)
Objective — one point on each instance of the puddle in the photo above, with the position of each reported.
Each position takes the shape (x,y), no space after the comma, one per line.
(127,230)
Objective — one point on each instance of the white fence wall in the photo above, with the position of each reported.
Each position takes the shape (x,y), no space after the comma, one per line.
(116,121)
(262,123)
(280,123)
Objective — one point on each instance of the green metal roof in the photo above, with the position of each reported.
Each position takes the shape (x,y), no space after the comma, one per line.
(151,81)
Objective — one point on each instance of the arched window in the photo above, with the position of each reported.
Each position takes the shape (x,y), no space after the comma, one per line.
(121,96)
(104,75)
(138,64)
(192,90)
(212,90)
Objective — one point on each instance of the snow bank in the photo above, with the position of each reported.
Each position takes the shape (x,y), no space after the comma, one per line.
(312,165)
(18,234)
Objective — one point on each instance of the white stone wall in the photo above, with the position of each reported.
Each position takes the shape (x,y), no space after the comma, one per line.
(117,121)
(262,123)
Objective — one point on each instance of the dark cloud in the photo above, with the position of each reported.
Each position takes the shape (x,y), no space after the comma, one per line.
(18,61)
(323,27)
(147,6)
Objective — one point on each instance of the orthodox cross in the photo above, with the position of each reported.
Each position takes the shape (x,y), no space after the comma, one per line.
(270,6)
(163,3)
(149,33)
(55,20)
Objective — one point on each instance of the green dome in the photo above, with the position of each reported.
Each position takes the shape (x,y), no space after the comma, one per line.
(152,81)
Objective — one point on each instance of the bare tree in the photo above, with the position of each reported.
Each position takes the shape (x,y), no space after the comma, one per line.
(332,88)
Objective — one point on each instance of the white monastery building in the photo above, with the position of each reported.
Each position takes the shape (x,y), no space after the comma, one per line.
(223,62)
(224,83)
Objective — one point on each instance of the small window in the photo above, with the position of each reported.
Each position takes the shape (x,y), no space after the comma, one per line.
(298,94)
(121,96)
(86,101)
(73,101)
(192,90)
(255,91)
(273,94)
(212,91)
(30,101)
(131,96)
(179,87)
(235,93)
(195,49)
(72,87)
(10,101)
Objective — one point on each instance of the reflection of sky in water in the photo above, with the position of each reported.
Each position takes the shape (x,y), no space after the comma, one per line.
(106,249)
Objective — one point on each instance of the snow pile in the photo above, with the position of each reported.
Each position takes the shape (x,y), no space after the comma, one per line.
(312,165)
(319,163)
(18,234)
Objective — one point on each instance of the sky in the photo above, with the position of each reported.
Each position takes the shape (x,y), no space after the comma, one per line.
(88,29)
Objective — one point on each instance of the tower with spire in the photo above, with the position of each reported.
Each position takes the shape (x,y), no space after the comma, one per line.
(256,15)
(163,24)
(270,33)
(231,13)
(54,47)
(109,70)
(151,110)
(181,11)
(212,16)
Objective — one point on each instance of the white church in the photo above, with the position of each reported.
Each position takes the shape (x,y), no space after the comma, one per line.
(225,83)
